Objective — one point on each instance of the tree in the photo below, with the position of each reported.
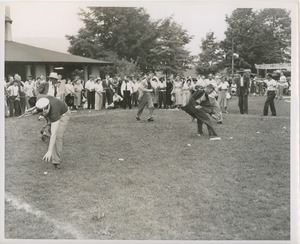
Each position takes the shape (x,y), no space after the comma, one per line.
(262,36)
(128,32)
(169,54)
(211,55)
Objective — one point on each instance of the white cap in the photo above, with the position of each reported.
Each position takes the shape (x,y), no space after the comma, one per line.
(42,103)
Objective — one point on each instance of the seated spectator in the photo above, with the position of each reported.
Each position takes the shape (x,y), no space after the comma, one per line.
(117,101)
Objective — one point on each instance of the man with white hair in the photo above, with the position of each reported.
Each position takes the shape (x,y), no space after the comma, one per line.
(57,112)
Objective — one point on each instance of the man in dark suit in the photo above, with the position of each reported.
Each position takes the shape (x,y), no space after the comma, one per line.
(242,85)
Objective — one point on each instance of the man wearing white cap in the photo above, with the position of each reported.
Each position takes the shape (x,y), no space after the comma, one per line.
(57,112)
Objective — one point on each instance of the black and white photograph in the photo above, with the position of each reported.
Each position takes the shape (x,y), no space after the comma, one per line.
(157,121)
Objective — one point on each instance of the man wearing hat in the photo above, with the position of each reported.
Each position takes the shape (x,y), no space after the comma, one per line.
(199,106)
(242,89)
(49,88)
(57,112)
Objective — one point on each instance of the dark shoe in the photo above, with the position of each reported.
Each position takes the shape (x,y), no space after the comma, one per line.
(137,118)
(273,114)
(56,166)
(219,122)
(150,119)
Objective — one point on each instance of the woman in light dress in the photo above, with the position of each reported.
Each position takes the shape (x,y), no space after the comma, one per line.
(155,93)
(98,94)
(186,91)
(177,91)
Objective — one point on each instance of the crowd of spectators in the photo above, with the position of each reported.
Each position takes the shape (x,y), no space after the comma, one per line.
(123,92)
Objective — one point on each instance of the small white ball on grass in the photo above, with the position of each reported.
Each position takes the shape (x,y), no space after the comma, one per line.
(189,145)
(45,172)
(257,132)
(230,138)
(284,128)
(121,159)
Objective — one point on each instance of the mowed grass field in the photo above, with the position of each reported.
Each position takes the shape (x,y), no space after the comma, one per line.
(233,189)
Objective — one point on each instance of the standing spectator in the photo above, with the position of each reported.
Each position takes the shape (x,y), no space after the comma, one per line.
(70,93)
(145,98)
(98,94)
(271,93)
(222,99)
(162,92)
(169,90)
(253,87)
(14,99)
(282,83)
(61,88)
(242,83)
(186,92)
(90,87)
(155,93)
(135,94)
(107,90)
(233,88)
(126,91)
(6,97)
(210,81)
(78,87)
(22,95)
(260,85)
(49,88)
(29,90)
(177,91)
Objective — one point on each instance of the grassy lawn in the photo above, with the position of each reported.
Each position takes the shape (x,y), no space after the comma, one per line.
(233,189)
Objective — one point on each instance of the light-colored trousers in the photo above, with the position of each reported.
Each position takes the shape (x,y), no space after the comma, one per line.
(145,99)
(186,95)
(57,149)
(98,101)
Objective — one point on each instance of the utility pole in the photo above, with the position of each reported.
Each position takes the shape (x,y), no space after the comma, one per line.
(232,61)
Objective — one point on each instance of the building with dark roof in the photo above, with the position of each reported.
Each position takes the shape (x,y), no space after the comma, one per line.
(29,60)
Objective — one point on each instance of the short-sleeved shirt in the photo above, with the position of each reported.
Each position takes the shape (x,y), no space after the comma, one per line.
(57,108)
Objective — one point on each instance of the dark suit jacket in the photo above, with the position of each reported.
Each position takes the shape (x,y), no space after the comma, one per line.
(246,85)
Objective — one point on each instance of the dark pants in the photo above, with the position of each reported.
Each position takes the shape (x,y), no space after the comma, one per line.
(14,106)
(69,99)
(162,99)
(243,101)
(135,99)
(202,117)
(91,99)
(126,99)
(23,102)
(109,96)
(270,102)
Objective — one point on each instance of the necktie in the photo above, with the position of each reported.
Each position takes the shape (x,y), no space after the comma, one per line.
(126,86)
(149,85)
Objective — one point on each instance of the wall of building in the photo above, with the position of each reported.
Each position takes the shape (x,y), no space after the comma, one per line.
(40,69)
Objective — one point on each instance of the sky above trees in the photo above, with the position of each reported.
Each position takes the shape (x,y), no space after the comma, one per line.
(38,22)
